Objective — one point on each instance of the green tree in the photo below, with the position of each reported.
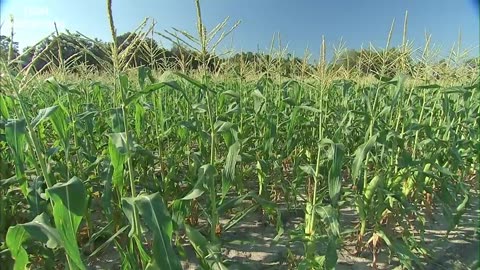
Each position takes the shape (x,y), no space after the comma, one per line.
(5,47)
(376,62)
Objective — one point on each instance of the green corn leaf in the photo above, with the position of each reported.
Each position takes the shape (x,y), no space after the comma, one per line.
(360,154)
(9,181)
(239,217)
(15,132)
(199,107)
(107,194)
(60,125)
(35,192)
(385,79)
(399,89)
(139,119)
(206,173)
(124,82)
(229,169)
(142,75)
(99,233)
(308,108)
(57,87)
(157,218)
(6,103)
(39,230)
(428,86)
(258,101)
(404,253)
(261,168)
(291,93)
(128,205)
(175,86)
(264,82)
(155,87)
(117,148)
(196,192)
(335,173)
(43,114)
(69,206)
(107,242)
(308,169)
(331,256)
(233,108)
(454,90)
(198,84)
(361,208)
(232,203)
(372,187)
(233,94)
(461,209)
(319,260)
(116,115)
(330,217)
(223,126)
(207,253)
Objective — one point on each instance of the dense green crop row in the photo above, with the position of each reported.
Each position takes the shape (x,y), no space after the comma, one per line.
(381,149)
(137,161)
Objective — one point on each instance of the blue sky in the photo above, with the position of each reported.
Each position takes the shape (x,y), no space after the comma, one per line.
(301,23)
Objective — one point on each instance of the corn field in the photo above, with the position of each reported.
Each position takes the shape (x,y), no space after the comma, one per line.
(154,165)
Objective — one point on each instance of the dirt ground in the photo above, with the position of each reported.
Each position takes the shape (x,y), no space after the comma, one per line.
(248,245)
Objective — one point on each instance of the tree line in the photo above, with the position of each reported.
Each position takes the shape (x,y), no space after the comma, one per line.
(77,50)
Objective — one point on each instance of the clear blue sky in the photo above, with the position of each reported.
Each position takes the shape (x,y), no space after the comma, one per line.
(301,23)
